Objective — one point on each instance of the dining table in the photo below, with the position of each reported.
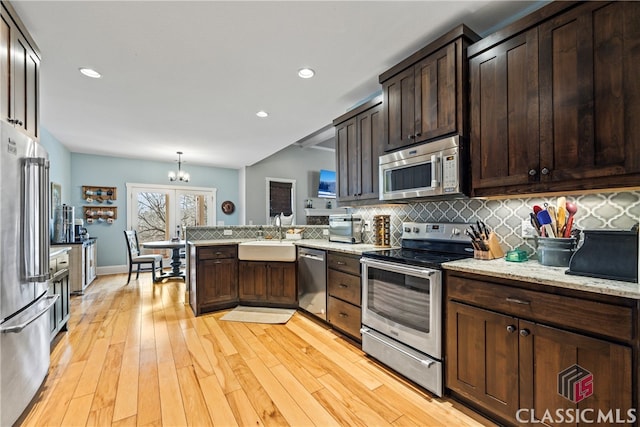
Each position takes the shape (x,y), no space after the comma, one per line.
(176,263)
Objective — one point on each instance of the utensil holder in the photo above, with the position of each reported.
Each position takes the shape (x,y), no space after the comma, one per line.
(382,230)
(495,251)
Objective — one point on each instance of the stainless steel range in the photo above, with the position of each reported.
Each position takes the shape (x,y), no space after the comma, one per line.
(402,300)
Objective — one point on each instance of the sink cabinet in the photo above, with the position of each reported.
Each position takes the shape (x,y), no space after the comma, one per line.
(213,278)
(268,283)
(554,100)
(507,344)
(425,95)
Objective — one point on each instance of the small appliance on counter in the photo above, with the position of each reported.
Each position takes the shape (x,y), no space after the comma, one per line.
(607,254)
(345,228)
(64,224)
(80,231)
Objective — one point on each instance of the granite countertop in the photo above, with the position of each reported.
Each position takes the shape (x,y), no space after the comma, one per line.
(356,249)
(58,250)
(532,271)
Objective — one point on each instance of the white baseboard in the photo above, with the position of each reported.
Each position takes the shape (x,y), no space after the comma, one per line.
(112,269)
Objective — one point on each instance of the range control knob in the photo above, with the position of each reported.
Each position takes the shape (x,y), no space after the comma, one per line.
(407,229)
(455,231)
(416,230)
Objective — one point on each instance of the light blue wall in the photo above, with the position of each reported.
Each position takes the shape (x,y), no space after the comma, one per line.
(60,161)
(116,172)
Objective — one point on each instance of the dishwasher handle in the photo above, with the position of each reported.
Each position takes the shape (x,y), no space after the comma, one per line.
(313,257)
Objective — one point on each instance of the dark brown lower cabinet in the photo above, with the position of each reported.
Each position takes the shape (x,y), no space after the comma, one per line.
(213,283)
(344,293)
(269,283)
(521,370)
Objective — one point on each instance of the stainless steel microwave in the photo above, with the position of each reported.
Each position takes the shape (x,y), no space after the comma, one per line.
(430,169)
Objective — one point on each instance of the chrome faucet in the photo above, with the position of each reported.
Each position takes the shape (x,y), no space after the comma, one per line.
(278,224)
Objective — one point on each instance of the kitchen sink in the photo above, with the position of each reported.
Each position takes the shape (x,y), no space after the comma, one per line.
(267,250)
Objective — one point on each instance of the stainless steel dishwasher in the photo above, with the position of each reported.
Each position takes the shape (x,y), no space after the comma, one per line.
(312,281)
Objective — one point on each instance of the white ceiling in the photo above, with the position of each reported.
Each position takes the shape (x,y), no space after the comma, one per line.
(190,76)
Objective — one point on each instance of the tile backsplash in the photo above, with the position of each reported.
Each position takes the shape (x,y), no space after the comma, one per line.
(619,210)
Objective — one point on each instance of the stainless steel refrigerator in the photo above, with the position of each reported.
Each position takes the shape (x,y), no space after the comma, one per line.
(24,271)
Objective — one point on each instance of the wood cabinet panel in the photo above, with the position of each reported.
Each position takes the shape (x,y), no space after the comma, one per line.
(482,357)
(553,105)
(345,286)
(436,93)
(282,282)
(343,262)
(344,316)
(358,146)
(272,283)
(585,90)
(584,315)
(504,113)
(399,110)
(545,352)
(425,96)
(218,281)
(252,281)
(19,66)
(503,355)
(213,277)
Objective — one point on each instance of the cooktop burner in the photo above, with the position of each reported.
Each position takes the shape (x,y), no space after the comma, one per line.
(428,245)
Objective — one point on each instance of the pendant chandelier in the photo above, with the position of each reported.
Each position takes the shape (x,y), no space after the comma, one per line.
(180,175)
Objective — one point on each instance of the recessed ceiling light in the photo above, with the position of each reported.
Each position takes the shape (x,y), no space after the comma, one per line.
(262,113)
(90,72)
(306,73)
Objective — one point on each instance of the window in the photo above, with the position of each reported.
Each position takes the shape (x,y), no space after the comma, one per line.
(281,197)
(157,212)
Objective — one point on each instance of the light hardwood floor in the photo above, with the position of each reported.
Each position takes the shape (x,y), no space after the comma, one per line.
(135,355)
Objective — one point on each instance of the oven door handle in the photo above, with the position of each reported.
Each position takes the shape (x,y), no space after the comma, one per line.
(427,362)
(398,268)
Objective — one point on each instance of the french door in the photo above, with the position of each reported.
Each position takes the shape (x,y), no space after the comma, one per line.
(160,212)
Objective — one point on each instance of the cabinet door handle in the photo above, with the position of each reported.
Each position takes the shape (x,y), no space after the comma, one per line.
(342,285)
(533,172)
(341,263)
(518,301)
(524,332)
(511,329)
(545,171)
(343,315)
(418,135)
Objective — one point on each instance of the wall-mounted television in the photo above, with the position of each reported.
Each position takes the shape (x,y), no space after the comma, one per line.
(327,185)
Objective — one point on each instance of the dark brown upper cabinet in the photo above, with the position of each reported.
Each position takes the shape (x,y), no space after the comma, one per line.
(425,96)
(555,99)
(19,74)
(358,146)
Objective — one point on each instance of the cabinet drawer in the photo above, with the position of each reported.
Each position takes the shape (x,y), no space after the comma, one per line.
(58,264)
(344,316)
(346,263)
(217,252)
(580,314)
(344,286)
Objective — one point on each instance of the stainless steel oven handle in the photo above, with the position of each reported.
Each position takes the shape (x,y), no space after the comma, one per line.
(427,363)
(398,268)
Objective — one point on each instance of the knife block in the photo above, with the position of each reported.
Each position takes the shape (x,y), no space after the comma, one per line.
(495,251)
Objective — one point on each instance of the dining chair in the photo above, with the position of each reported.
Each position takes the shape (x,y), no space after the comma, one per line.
(133,253)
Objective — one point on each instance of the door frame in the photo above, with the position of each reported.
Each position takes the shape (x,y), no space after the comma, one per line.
(132,186)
